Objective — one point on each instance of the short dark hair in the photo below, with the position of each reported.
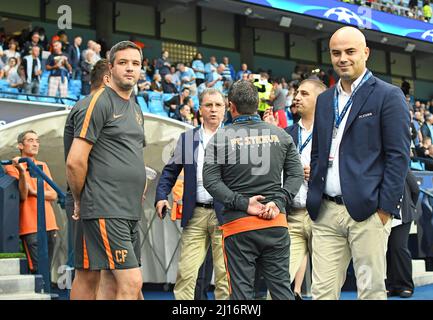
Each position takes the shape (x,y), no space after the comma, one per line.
(22,135)
(244,95)
(123,45)
(99,70)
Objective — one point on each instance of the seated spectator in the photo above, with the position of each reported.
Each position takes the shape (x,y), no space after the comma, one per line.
(198,67)
(60,68)
(427,127)
(422,151)
(184,112)
(142,84)
(429,158)
(33,70)
(18,79)
(12,52)
(28,145)
(86,68)
(168,86)
(11,67)
(156,84)
(244,70)
(176,101)
(175,77)
(187,78)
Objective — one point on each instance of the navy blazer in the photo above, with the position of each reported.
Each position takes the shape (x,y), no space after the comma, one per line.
(293,131)
(374,150)
(184,157)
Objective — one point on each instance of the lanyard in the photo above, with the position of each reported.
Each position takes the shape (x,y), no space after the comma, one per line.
(245,118)
(339,117)
(302,147)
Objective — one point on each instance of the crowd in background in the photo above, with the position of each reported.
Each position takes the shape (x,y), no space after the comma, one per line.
(23,59)
(420,10)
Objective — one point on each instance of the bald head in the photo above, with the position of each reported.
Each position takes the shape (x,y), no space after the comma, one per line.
(349,53)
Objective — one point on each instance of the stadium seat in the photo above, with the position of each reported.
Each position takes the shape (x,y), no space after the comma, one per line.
(155,102)
(142,103)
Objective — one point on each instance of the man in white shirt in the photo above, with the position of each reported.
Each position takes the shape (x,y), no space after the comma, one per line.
(298,219)
(359,161)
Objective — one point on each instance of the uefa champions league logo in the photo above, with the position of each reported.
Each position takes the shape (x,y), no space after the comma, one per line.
(428,35)
(344,15)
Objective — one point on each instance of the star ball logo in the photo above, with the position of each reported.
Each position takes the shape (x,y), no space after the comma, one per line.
(346,15)
(428,35)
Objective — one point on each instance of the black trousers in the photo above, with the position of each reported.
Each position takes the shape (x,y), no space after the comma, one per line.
(267,249)
(399,260)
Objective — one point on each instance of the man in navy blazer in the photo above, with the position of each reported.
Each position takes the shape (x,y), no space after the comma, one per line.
(200,215)
(359,161)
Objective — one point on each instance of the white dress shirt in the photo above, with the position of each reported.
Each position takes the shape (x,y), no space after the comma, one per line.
(202,195)
(333,187)
(300,199)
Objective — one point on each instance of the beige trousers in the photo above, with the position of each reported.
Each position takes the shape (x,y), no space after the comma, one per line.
(201,232)
(336,239)
(300,238)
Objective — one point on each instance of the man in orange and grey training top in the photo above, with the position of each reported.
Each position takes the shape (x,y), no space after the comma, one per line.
(242,170)
(106,173)
(86,281)
(28,145)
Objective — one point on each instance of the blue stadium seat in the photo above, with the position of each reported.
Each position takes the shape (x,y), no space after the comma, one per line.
(167,96)
(196,102)
(155,102)
(142,103)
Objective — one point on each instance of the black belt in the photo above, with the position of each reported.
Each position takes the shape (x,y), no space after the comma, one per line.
(336,199)
(204,205)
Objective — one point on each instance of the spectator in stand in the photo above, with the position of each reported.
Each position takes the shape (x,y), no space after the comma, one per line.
(43,40)
(12,52)
(143,85)
(427,127)
(187,78)
(422,150)
(17,79)
(33,70)
(63,38)
(86,68)
(405,86)
(184,113)
(97,49)
(216,79)
(229,71)
(176,101)
(427,10)
(148,68)
(278,100)
(156,84)
(59,67)
(210,67)
(168,86)
(198,67)
(294,113)
(413,4)
(162,64)
(28,45)
(175,77)
(74,54)
(244,70)
(10,68)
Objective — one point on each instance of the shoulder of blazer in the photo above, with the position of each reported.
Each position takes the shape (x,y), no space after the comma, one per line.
(292,130)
